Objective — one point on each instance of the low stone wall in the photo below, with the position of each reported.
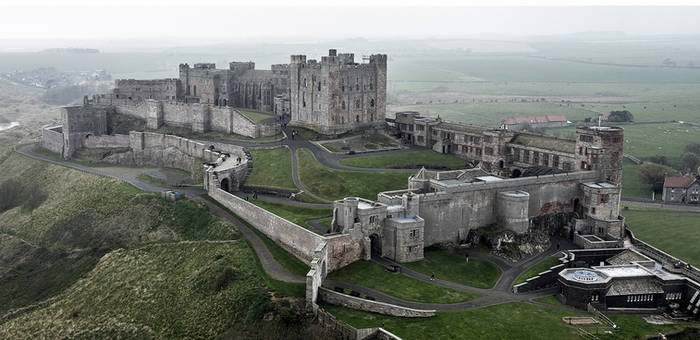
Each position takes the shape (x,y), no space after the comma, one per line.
(106,141)
(300,241)
(52,139)
(582,242)
(352,302)
(265,130)
(542,280)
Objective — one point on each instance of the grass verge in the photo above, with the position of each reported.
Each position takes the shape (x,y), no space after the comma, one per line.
(294,214)
(452,267)
(372,275)
(536,269)
(335,184)
(272,168)
(410,159)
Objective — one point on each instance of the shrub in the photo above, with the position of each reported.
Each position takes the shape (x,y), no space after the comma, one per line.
(659,159)
(654,175)
(689,161)
(222,279)
(620,116)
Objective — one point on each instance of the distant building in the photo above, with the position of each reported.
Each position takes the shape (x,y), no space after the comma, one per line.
(517,123)
(684,189)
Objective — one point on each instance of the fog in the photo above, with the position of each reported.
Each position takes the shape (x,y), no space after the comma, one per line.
(25,28)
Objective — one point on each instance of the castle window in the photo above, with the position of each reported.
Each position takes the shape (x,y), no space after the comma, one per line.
(357,87)
(604,198)
(319,86)
(415,233)
(555,161)
(304,82)
(370,86)
(357,104)
(371,103)
(342,105)
(371,116)
(342,88)
(357,119)
(592,211)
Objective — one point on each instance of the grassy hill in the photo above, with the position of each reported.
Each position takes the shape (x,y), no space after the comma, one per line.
(117,262)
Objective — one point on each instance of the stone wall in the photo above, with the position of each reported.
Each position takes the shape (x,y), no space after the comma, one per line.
(543,279)
(300,241)
(352,302)
(583,242)
(52,139)
(450,214)
(107,141)
(78,123)
(664,258)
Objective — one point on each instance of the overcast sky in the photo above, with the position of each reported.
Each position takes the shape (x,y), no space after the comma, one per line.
(335,22)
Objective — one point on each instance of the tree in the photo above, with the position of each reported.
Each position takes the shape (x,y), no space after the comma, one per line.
(620,116)
(693,148)
(654,174)
(659,159)
(690,161)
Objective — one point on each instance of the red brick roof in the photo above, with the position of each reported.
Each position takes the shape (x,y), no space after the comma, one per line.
(678,182)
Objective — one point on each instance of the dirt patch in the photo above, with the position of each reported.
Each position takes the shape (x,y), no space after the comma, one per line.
(573,320)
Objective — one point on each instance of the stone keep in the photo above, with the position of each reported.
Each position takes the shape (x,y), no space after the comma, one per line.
(338,94)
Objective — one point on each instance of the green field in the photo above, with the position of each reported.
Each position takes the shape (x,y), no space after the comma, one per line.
(335,184)
(410,159)
(272,168)
(256,116)
(675,232)
(452,267)
(294,214)
(372,275)
(632,184)
(537,268)
(513,320)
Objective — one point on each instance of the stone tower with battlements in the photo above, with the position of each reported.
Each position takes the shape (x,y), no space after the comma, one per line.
(337,94)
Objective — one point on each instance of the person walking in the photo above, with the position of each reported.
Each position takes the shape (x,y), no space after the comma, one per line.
(432,276)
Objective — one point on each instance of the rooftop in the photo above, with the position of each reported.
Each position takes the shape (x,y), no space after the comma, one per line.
(545,142)
(600,185)
(679,182)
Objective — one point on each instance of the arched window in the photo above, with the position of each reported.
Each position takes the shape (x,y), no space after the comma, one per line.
(371,103)
(304,82)
(342,105)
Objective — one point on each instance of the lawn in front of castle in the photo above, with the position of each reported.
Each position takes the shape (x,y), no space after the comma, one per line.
(450,266)
(409,160)
(272,169)
(333,184)
(514,320)
(537,268)
(371,275)
(672,231)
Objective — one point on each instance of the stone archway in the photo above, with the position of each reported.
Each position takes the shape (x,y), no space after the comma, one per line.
(225,185)
(516,173)
(376,245)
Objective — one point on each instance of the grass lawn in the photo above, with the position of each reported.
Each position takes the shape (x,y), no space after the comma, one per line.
(536,269)
(294,214)
(452,267)
(256,116)
(675,232)
(551,300)
(335,184)
(159,182)
(272,168)
(283,257)
(632,184)
(372,275)
(514,320)
(506,321)
(410,159)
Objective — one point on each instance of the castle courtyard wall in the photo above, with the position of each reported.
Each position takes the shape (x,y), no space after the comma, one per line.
(451,214)
(107,141)
(52,139)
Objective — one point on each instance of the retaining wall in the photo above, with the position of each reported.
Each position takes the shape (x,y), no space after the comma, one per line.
(352,302)
(52,139)
(542,280)
(107,141)
(665,259)
(300,241)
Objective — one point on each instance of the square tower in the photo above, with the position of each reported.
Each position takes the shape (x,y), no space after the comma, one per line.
(338,94)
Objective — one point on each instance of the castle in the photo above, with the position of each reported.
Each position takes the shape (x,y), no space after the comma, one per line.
(331,96)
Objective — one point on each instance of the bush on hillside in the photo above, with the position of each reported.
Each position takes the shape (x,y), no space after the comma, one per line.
(654,174)
(620,116)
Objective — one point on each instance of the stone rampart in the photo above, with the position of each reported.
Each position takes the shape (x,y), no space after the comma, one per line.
(300,241)
(352,302)
(106,141)
(52,139)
